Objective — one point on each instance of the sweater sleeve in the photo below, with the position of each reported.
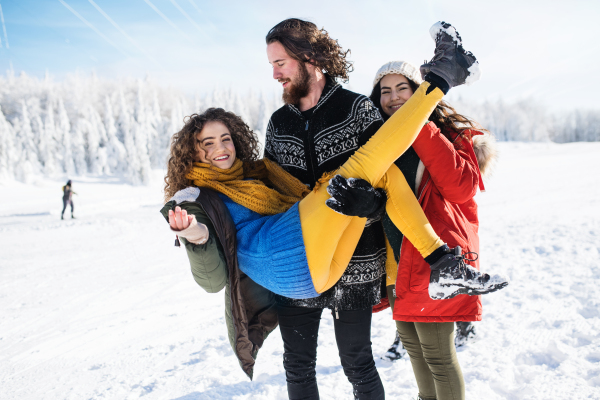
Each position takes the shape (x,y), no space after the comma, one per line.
(453,171)
(369,119)
(271,251)
(269,151)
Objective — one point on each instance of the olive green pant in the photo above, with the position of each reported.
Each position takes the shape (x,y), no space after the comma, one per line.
(430,346)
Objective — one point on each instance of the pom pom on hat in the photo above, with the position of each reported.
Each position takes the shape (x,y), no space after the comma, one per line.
(399,67)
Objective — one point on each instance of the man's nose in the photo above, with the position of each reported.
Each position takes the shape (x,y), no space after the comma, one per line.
(276,73)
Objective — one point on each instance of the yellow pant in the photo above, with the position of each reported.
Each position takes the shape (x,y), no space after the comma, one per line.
(331,238)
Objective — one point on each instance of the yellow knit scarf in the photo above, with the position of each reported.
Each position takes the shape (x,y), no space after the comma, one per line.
(270,190)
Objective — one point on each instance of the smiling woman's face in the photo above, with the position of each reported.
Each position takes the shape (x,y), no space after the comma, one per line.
(215,146)
(395,91)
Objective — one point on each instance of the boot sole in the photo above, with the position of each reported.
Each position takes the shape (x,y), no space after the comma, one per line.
(444,295)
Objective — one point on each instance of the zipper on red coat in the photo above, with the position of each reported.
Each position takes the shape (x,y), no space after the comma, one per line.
(424,186)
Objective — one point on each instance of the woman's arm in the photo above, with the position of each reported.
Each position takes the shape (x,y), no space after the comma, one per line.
(453,171)
(206,257)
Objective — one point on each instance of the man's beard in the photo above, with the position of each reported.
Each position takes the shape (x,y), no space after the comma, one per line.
(298,89)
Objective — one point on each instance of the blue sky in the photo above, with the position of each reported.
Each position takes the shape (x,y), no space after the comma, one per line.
(545,50)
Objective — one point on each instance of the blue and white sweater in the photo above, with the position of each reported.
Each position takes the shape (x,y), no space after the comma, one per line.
(271,250)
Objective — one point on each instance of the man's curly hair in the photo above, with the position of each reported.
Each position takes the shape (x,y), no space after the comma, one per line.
(184,146)
(305,42)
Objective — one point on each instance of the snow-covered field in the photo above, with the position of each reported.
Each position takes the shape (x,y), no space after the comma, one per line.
(103,306)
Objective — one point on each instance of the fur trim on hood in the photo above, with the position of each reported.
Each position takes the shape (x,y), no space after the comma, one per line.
(486,152)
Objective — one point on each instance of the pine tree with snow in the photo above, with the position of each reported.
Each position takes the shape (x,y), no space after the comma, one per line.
(63,129)
(51,164)
(78,146)
(115,150)
(8,157)
(125,130)
(28,163)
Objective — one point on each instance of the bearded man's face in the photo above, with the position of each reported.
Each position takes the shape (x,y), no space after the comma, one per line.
(298,86)
(291,73)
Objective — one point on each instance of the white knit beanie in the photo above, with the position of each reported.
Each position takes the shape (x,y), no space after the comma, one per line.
(399,67)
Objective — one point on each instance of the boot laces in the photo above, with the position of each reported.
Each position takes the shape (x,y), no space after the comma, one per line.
(466,270)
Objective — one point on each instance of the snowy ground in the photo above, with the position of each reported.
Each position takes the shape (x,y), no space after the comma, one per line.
(104,306)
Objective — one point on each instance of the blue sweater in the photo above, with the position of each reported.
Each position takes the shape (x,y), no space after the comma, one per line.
(271,250)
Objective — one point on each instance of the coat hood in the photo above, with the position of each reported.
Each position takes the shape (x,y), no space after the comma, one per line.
(486,151)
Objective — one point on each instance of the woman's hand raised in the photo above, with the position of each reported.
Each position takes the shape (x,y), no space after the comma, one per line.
(187,227)
(179,219)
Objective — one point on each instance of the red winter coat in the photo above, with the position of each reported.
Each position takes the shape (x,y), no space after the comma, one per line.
(446,192)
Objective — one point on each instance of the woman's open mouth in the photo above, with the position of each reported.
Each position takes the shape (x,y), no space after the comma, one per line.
(221,158)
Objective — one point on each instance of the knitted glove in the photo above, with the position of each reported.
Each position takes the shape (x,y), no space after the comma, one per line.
(355,197)
(195,233)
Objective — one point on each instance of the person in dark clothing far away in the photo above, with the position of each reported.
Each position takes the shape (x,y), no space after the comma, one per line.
(67,199)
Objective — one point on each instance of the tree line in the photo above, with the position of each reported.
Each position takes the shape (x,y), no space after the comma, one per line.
(87,125)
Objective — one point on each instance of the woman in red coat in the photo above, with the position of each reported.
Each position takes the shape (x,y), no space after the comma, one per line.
(443,170)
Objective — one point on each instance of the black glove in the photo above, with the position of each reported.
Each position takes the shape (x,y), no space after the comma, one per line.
(355,197)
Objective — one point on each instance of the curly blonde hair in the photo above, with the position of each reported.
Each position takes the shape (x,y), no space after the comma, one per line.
(305,42)
(184,146)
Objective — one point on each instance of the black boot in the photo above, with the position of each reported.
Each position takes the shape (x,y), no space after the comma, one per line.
(396,351)
(450,62)
(465,332)
(450,276)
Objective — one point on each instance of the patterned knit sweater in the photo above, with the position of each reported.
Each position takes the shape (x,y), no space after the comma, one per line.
(341,122)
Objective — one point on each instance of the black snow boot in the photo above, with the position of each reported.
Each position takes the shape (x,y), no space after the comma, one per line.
(396,351)
(450,276)
(422,398)
(465,333)
(450,62)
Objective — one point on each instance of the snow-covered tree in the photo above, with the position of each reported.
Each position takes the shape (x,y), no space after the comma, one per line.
(7,148)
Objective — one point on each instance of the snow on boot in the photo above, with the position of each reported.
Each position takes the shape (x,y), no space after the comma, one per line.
(465,333)
(450,276)
(396,351)
(450,61)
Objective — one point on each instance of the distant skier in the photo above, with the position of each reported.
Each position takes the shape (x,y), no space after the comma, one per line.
(67,199)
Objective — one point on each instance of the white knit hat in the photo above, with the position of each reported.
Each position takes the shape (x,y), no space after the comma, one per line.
(399,67)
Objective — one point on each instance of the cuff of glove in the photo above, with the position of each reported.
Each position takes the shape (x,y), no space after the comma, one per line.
(195,233)
(378,213)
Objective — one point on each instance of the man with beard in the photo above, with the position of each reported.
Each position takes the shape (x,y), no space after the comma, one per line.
(316,131)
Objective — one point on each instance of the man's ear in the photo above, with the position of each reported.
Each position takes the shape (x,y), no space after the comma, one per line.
(310,66)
